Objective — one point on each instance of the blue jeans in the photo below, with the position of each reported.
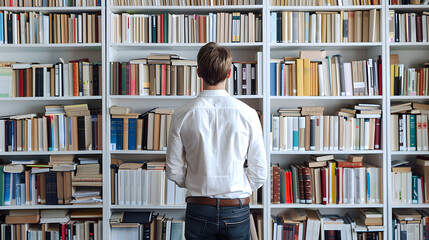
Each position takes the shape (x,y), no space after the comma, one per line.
(212,222)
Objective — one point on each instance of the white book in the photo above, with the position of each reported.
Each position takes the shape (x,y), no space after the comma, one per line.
(275,132)
(61,133)
(162,133)
(321,79)
(259,71)
(79,30)
(348,78)
(313,26)
(366,134)
(40,134)
(121,187)
(170,189)
(337,26)
(285,133)
(409,187)
(138,189)
(424,26)
(332,135)
(321,147)
(425,131)
(319,28)
(29,146)
(336,131)
(290,126)
(360,176)
(132,197)
(419,191)
(145,187)
(403,190)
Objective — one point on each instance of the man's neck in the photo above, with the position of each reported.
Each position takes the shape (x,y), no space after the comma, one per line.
(219,86)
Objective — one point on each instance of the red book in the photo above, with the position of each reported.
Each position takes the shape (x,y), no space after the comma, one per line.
(163,80)
(75,78)
(287,196)
(290,187)
(307,184)
(296,231)
(162,40)
(21,82)
(349,164)
(63,231)
(380,82)
(377,134)
(421,93)
(419,27)
(133,80)
(324,184)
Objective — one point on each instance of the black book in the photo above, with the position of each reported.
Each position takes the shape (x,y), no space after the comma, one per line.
(253,79)
(138,217)
(146,231)
(279,27)
(396,27)
(235,79)
(96,79)
(8,232)
(49,122)
(397,87)
(81,133)
(9,29)
(7,136)
(80,78)
(51,188)
(39,82)
(91,231)
(144,133)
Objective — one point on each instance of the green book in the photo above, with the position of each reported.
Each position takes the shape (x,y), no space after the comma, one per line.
(124,78)
(295,188)
(412,132)
(166,15)
(282,186)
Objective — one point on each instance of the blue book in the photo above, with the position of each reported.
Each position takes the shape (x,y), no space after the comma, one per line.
(368,186)
(1,28)
(7,188)
(295,134)
(272,79)
(119,133)
(415,186)
(45,3)
(306,26)
(412,132)
(113,123)
(273,27)
(132,134)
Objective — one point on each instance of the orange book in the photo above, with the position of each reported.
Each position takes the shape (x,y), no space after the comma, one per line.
(125,134)
(27,187)
(306,77)
(60,188)
(75,78)
(67,179)
(300,77)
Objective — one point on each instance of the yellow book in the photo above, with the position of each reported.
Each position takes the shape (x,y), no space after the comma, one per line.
(392,79)
(341,25)
(300,77)
(307,79)
(333,183)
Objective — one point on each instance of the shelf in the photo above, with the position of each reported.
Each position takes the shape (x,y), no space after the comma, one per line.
(409,45)
(179,46)
(325,152)
(327,206)
(409,98)
(63,47)
(409,152)
(180,207)
(50,206)
(185,9)
(413,206)
(52,9)
(127,97)
(139,152)
(324,8)
(49,153)
(409,7)
(326,98)
(32,99)
(327,46)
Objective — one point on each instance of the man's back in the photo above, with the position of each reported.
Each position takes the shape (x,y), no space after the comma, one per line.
(216,130)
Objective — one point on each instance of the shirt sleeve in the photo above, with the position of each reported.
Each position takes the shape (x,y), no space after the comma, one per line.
(256,156)
(175,159)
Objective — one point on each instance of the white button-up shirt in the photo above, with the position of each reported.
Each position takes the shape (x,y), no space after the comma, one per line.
(209,141)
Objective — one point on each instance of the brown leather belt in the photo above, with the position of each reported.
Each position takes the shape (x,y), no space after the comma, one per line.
(222,201)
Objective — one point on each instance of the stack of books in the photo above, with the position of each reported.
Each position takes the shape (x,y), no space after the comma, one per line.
(75,78)
(409,223)
(221,27)
(324,2)
(408,127)
(323,180)
(57,3)
(135,131)
(182,3)
(45,28)
(408,27)
(325,27)
(352,129)
(88,177)
(321,75)
(410,81)
(371,218)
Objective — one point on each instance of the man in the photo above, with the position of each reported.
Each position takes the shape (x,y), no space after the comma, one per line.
(210,139)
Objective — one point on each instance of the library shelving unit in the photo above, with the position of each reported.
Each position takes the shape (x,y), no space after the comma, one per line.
(351,51)
(412,55)
(123,52)
(51,53)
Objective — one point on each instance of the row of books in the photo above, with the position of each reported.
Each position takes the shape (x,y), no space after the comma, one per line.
(148,225)
(40,28)
(410,224)
(324,2)
(408,27)
(55,131)
(303,224)
(327,182)
(181,2)
(52,224)
(407,2)
(60,181)
(75,78)
(325,27)
(409,181)
(314,131)
(136,131)
(50,3)
(182,28)
(409,82)
(325,76)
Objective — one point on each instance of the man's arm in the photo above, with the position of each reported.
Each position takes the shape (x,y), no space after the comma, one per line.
(175,159)
(256,156)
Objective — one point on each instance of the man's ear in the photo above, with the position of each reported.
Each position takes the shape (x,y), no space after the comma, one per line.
(198,72)
(229,73)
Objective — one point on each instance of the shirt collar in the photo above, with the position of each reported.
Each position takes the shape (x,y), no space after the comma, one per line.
(214,93)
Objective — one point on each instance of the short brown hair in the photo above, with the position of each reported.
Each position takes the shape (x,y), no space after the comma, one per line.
(214,63)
